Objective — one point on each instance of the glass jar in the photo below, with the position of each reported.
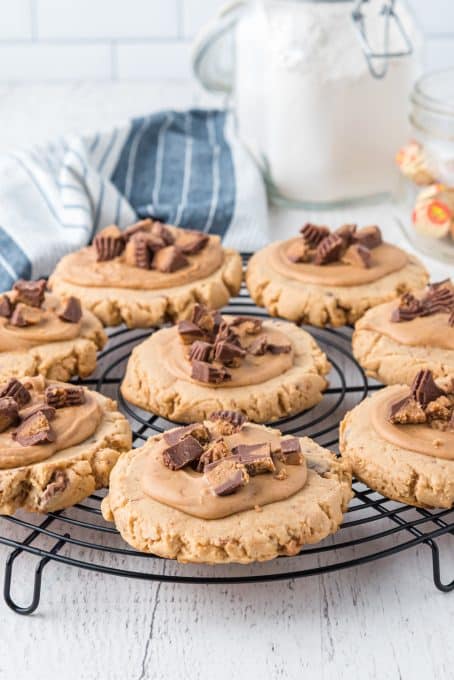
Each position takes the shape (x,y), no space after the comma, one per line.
(425,196)
(320,90)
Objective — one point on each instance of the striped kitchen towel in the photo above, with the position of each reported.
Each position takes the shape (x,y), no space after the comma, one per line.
(185,168)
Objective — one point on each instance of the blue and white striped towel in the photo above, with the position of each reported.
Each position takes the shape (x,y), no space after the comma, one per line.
(186,168)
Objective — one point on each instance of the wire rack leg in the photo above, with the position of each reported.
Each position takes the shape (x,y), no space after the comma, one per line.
(444,587)
(28,609)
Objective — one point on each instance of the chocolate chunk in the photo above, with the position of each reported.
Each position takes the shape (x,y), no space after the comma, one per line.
(409,308)
(9,413)
(24,315)
(143,226)
(186,451)
(217,451)
(424,388)
(369,237)
(169,259)
(196,430)
(407,411)
(256,457)
(226,477)
(203,317)
(138,252)
(347,233)
(162,232)
(30,292)
(6,306)
(313,235)
(248,324)
(72,311)
(192,242)
(15,389)
(206,373)
(234,418)
(59,396)
(109,243)
(291,451)
(34,430)
(44,408)
(57,484)
(258,347)
(358,256)
(329,250)
(278,349)
(201,351)
(298,251)
(189,332)
(228,353)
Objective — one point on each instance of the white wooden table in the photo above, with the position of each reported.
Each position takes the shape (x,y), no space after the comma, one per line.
(383,620)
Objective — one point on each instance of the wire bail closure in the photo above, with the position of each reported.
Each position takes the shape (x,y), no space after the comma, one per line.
(389,14)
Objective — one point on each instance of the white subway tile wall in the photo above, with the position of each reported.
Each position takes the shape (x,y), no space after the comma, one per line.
(58,40)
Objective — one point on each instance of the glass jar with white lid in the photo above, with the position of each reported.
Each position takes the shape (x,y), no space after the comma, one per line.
(320,91)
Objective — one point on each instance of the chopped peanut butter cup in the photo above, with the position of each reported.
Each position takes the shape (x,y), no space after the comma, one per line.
(30,292)
(109,243)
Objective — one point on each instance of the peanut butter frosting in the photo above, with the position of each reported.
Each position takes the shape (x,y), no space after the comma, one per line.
(385,259)
(420,438)
(49,328)
(188,491)
(82,268)
(71,425)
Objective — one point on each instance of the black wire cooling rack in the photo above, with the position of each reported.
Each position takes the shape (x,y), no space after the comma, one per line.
(374,527)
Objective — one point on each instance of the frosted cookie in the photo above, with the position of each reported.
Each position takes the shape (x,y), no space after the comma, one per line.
(58,443)
(149,273)
(41,334)
(265,369)
(400,442)
(227,491)
(394,340)
(331,278)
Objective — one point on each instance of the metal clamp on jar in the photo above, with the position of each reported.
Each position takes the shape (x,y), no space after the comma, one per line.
(320,91)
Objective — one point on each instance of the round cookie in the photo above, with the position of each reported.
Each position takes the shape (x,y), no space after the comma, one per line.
(233,511)
(400,442)
(265,369)
(148,274)
(394,340)
(324,278)
(41,334)
(58,444)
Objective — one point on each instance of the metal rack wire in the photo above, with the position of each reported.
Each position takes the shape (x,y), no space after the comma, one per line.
(374,527)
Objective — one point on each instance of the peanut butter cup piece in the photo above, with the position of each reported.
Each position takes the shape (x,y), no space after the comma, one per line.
(407,411)
(9,413)
(358,256)
(298,251)
(258,347)
(24,316)
(186,451)
(256,457)
(228,353)
(30,292)
(169,259)
(329,250)
(204,318)
(278,349)
(143,226)
(291,451)
(15,389)
(162,232)
(313,234)
(192,242)
(216,451)
(138,252)
(347,233)
(369,237)
(48,411)
(409,308)
(109,243)
(424,389)
(57,484)
(439,409)
(235,420)
(226,477)
(438,299)
(201,351)
(60,397)
(72,311)
(206,373)
(196,430)
(189,332)
(6,306)
(248,324)
(34,430)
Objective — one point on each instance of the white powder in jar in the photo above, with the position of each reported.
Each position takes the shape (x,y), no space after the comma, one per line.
(307,103)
